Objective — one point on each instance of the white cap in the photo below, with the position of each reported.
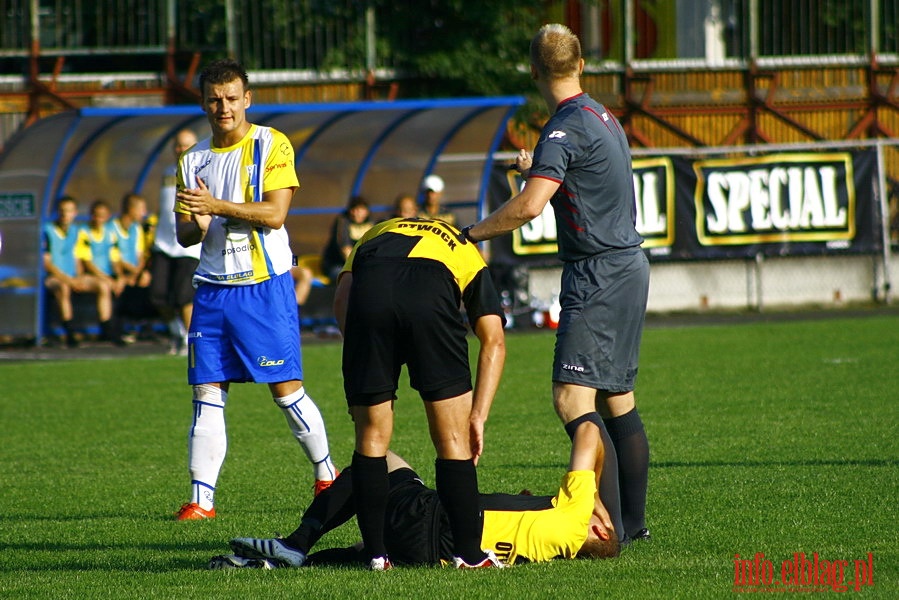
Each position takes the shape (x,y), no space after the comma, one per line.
(433,183)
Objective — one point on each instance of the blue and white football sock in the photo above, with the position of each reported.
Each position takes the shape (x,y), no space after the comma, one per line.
(207,444)
(308,427)
(202,494)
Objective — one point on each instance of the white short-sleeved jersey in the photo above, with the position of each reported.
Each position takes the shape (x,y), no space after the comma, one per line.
(166,239)
(233,252)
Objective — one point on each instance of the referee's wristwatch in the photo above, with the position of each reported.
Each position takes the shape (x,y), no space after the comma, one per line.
(466,233)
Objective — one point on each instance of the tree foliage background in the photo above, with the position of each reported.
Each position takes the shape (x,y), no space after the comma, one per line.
(468,48)
(436,48)
(444,47)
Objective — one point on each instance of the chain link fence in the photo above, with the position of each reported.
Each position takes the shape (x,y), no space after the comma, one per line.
(353,36)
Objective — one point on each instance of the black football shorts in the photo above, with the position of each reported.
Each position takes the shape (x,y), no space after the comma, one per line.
(404,311)
(416,528)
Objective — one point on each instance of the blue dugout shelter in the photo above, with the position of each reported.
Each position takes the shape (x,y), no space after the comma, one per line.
(375,149)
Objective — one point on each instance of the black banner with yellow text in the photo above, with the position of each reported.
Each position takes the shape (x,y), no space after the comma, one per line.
(786,204)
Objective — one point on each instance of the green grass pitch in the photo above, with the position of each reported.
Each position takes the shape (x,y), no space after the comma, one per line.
(767,438)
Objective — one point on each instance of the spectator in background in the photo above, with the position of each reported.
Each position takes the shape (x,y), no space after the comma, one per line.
(348,227)
(432,208)
(893,206)
(302,283)
(62,255)
(102,259)
(172,266)
(134,301)
(129,228)
(404,207)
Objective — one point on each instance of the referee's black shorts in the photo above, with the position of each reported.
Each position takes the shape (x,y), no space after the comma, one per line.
(404,311)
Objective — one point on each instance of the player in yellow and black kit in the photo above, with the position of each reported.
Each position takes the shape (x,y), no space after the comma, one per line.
(398,301)
(518,528)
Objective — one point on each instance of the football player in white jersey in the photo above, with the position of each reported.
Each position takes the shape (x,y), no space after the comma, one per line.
(234,192)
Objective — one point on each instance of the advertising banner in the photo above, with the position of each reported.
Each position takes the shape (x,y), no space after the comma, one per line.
(785,204)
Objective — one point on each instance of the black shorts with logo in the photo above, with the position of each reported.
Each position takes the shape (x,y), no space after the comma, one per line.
(416,530)
(404,312)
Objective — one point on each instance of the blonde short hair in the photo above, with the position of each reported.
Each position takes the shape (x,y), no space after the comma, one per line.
(556,52)
(594,547)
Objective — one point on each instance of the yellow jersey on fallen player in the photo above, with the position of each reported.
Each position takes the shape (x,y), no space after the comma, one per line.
(542,535)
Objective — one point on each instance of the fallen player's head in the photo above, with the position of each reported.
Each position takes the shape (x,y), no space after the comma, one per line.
(600,542)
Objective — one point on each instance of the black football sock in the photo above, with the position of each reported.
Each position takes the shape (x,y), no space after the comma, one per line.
(609,491)
(69,328)
(457,487)
(332,508)
(337,556)
(370,488)
(110,331)
(632,448)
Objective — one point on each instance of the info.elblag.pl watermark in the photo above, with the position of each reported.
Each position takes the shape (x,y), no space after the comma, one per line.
(802,573)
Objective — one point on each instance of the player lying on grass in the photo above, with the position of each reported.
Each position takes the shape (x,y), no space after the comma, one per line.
(517,528)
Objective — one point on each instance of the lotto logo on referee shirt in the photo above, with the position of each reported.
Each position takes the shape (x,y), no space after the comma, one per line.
(264,361)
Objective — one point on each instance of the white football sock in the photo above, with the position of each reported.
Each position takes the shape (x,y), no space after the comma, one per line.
(207,444)
(176,328)
(308,428)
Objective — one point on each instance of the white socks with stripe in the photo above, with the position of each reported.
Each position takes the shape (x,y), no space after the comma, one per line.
(308,428)
(207,444)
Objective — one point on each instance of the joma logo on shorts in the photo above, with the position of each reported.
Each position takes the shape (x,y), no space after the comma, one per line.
(568,367)
(268,362)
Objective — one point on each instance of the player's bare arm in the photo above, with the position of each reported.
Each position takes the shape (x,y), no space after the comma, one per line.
(601,523)
(271,212)
(491,359)
(521,209)
(190,229)
(599,509)
(55,272)
(587,456)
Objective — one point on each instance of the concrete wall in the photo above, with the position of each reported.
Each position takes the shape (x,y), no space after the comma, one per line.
(792,282)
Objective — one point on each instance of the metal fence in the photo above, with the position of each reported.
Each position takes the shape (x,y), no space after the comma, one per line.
(353,35)
(314,35)
(83,26)
(718,32)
